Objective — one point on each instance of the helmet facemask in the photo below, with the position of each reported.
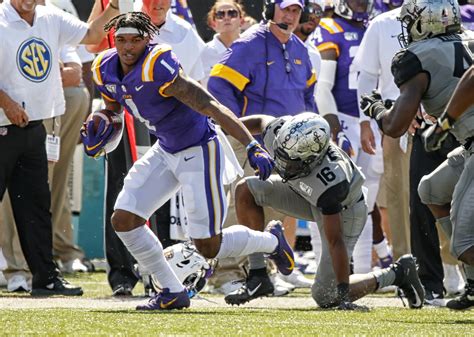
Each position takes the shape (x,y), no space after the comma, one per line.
(344,9)
(424,19)
(300,145)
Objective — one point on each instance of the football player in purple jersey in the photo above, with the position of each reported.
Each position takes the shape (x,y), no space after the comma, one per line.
(148,80)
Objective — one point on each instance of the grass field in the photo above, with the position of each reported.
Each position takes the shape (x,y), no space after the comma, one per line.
(96,313)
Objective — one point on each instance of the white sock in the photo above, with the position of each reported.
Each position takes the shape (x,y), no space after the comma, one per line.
(148,251)
(382,248)
(238,240)
(362,254)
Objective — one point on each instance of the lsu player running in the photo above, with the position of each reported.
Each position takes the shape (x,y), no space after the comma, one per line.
(338,40)
(427,71)
(317,181)
(148,81)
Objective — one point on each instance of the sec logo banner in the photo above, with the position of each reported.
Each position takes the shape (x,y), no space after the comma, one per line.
(34,59)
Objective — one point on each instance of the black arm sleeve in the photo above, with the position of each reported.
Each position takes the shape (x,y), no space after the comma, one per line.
(405,65)
(330,202)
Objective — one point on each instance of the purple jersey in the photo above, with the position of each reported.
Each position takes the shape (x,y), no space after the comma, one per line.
(467,16)
(257,76)
(176,125)
(379,7)
(345,39)
(181,9)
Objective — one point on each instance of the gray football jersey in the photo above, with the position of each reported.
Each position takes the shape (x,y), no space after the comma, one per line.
(335,167)
(445,59)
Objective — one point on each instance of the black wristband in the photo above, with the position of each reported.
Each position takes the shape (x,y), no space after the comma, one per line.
(111,5)
(343,292)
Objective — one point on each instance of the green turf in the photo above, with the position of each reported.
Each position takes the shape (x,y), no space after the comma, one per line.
(228,321)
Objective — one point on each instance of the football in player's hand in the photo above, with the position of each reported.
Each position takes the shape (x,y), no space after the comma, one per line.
(109,116)
(110,138)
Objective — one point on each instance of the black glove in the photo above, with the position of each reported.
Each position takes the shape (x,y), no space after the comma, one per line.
(436,134)
(372,105)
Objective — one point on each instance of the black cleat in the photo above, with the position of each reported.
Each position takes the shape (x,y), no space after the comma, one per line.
(464,301)
(408,281)
(58,286)
(122,290)
(255,286)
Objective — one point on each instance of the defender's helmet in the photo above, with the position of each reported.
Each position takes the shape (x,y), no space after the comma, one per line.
(353,9)
(300,145)
(191,268)
(424,19)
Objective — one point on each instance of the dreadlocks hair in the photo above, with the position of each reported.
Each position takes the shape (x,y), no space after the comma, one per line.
(138,20)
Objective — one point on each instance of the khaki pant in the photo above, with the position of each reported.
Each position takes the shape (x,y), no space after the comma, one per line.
(229,269)
(396,182)
(67,126)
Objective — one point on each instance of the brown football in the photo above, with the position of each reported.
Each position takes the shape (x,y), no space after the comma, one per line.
(109,116)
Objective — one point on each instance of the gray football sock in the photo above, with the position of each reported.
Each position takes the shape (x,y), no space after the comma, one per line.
(385,277)
(257,261)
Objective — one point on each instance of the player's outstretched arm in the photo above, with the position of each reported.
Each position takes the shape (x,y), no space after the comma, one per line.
(396,121)
(256,124)
(97,20)
(195,96)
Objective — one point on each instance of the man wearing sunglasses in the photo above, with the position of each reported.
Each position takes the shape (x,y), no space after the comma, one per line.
(268,71)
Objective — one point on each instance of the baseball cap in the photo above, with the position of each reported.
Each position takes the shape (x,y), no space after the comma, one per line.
(285,3)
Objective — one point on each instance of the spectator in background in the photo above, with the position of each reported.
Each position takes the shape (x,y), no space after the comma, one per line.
(467,14)
(248,22)
(372,60)
(226,18)
(23,167)
(65,251)
(181,9)
(279,80)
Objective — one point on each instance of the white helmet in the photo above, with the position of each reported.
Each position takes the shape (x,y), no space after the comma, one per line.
(347,9)
(424,19)
(191,268)
(300,145)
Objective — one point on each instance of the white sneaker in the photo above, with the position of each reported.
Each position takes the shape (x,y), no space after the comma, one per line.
(297,279)
(73,266)
(312,268)
(3,280)
(453,280)
(18,283)
(281,288)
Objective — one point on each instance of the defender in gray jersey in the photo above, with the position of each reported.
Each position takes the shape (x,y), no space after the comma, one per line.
(317,181)
(427,72)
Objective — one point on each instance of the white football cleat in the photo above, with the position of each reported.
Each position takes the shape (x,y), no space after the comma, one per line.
(453,280)
(297,279)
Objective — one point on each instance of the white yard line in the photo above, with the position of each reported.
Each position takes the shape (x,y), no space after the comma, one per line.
(214,302)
